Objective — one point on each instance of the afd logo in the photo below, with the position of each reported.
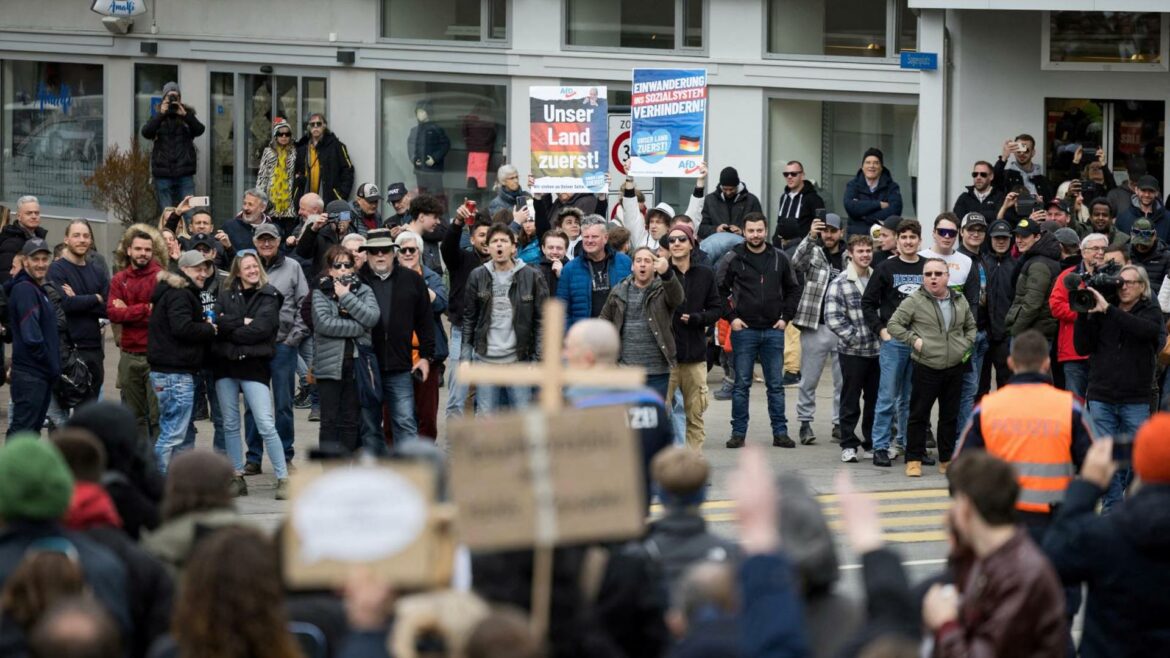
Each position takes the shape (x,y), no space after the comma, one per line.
(568,92)
(689,166)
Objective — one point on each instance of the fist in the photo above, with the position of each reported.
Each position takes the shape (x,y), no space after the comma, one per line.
(556,267)
(661,265)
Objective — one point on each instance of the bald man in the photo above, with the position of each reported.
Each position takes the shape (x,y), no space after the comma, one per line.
(595,343)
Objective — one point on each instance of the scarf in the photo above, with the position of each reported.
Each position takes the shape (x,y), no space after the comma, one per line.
(281,187)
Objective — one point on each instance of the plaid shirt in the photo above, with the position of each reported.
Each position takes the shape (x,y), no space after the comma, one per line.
(844,317)
(815,270)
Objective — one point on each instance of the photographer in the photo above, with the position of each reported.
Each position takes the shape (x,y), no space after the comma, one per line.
(325,231)
(172,161)
(1122,336)
(1074,364)
(344,311)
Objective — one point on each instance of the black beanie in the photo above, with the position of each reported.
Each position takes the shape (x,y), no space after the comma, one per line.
(876,152)
(729,176)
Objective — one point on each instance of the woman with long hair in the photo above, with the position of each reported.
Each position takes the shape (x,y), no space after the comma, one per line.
(344,311)
(248,311)
(278,165)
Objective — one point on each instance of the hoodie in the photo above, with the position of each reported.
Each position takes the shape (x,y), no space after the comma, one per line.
(91,507)
(796,214)
(719,210)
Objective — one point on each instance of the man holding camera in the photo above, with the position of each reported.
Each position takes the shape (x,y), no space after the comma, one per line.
(1017,165)
(173,130)
(324,231)
(1122,337)
(1074,364)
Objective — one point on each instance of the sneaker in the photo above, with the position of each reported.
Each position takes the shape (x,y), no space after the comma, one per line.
(282,489)
(930,442)
(849,456)
(791,379)
(302,399)
(862,453)
(942,467)
(252,468)
(735,442)
(782,441)
(882,458)
(238,487)
(836,433)
(895,450)
(315,414)
(913,469)
(807,437)
(724,392)
(928,460)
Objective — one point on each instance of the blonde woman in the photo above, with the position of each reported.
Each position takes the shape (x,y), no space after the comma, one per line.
(278,165)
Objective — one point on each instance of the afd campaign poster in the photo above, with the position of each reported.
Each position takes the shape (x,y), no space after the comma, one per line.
(570,139)
(669,111)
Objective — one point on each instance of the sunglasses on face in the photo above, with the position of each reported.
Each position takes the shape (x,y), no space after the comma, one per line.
(792,174)
(284,134)
(343,265)
(946,232)
(408,251)
(378,251)
(678,239)
(980,174)
(933,274)
(1143,234)
(316,124)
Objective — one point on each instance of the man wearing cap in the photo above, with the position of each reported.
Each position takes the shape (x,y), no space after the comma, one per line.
(252,213)
(173,130)
(723,214)
(700,309)
(1102,220)
(206,401)
(178,338)
(326,231)
(1146,205)
(1120,557)
(1035,276)
(818,259)
(1061,212)
(871,196)
(26,227)
(399,199)
(365,208)
(885,239)
(288,278)
(981,196)
(1150,251)
(998,266)
(972,235)
(36,349)
(1075,366)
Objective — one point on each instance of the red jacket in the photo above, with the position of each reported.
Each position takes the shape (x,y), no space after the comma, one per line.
(133,287)
(1058,302)
(91,507)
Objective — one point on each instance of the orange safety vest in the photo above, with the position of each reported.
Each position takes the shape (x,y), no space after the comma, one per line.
(1030,426)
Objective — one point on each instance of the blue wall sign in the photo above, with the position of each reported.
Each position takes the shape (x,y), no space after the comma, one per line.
(920,61)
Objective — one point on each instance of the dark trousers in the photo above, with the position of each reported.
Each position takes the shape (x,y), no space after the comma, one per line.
(31,393)
(930,385)
(997,354)
(859,375)
(426,402)
(341,414)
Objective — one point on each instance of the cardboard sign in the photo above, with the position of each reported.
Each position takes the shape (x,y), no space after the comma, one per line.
(532,479)
(570,144)
(669,110)
(379,515)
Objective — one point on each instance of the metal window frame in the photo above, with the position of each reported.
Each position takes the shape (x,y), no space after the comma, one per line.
(679,36)
(485,40)
(893,21)
(1046,63)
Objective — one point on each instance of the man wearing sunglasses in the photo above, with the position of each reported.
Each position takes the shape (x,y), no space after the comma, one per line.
(1149,251)
(981,196)
(323,164)
(799,203)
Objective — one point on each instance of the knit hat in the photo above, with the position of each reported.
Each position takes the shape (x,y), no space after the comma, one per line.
(1151,450)
(729,177)
(35,482)
(169,87)
(278,123)
(876,152)
(686,230)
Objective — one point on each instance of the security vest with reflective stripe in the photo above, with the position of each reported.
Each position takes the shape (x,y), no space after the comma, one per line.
(1030,425)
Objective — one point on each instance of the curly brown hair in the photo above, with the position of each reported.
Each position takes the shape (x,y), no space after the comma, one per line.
(231,600)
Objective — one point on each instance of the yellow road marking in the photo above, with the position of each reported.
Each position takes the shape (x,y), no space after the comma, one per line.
(931,521)
(901,507)
(831,499)
(910,537)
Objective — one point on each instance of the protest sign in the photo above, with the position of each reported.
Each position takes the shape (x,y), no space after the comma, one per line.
(669,112)
(569,138)
(382,516)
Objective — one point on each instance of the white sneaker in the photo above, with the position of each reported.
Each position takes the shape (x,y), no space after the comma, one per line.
(849,456)
(895,450)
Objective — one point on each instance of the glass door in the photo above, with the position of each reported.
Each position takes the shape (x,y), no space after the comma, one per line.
(1131,133)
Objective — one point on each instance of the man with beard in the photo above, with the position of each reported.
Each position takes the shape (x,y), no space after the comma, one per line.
(799,203)
(1102,220)
(981,196)
(129,306)
(240,228)
(84,286)
(857,349)
(36,351)
(323,164)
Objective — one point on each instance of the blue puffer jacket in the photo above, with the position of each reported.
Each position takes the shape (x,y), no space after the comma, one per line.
(435,282)
(865,207)
(576,285)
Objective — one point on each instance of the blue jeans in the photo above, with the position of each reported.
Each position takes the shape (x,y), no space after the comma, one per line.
(31,393)
(1076,377)
(259,403)
(893,392)
(456,392)
(398,392)
(1115,420)
(659,384)
(176,396)
(678,418)
(205,385)
(284,385)
(971,381)
(305,352)
(170,191)
(718,244)
(767,345)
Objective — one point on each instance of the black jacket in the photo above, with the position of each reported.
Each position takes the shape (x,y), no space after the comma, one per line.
(1006,179)
(243,351)
(312,245)
(759,298)
(12,240)
(680,539)
(989,207)
(404,305)
(427,139)
(1156,261)
(1001,275)
(1124,558)
(336,170)
(460,262)
(1121,347)
(795,216)
(174,136)
(704,306)
(527,294)
(550,277)
(718,210)
(177,336)
(548,206)
(149,588)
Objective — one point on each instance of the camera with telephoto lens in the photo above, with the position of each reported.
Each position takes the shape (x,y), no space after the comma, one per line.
(1106,280)
(325,283)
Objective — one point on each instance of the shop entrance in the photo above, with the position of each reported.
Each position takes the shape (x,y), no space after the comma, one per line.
(1132,134)
(243,106)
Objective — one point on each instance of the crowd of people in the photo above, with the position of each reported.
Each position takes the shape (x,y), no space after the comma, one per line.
(306,300)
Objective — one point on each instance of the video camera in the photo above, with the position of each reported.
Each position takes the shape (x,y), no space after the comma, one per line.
(1106,280)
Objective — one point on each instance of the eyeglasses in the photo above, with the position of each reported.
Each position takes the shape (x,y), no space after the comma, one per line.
(792,174)
(408,251)
(933,274)
(378,251)
(1128,282)
(1096,248)
(343,265)
(678,239)
(946,232)
(316,124)
(981,174)
(1143,234)
(284,134)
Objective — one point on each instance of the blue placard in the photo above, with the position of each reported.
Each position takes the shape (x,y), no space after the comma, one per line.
(920,61)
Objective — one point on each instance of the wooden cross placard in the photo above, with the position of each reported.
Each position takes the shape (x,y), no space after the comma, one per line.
(546,477)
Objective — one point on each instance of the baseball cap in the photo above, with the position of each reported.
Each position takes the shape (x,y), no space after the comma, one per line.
(1027,226)
(395,192)
(267,229)
(204,239)
(1148,182)
(336,207)
(1143,233)
(833,220)
(973,219)
(891,223)
(1067,237)
(1151,450)
(1060,204)
(35,245)
(193,258)
(369,192)
(1000,229)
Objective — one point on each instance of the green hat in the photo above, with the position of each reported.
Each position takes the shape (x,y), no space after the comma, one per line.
(1143,233)
(35,482)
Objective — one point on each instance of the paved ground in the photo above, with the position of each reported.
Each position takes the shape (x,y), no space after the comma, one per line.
(912,509)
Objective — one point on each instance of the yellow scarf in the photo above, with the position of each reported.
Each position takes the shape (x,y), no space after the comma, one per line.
(281,186)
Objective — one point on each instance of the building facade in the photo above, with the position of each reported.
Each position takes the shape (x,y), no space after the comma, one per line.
(812,80)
